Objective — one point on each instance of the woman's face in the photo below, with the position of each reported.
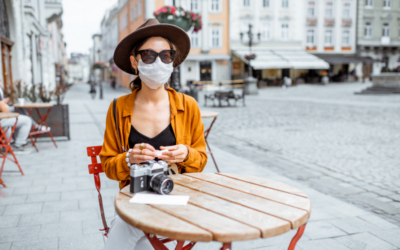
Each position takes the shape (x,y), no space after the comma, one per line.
(155,43)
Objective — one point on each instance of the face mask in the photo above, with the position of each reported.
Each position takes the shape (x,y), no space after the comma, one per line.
(156,74)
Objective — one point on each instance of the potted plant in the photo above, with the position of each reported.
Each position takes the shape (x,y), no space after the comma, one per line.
(19,92)
(179,17)
(99,65)
(250,57)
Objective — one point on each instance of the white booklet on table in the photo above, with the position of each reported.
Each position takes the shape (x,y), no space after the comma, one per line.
(158,199)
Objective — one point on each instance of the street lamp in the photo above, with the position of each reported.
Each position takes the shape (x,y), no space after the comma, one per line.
(100,82)
(250,82)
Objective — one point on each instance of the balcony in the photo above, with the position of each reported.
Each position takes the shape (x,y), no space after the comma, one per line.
(53,9)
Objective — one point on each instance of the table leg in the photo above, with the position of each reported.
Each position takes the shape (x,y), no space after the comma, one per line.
(41,121)
(206,133)
(159,244)
(297,237)
(226,246)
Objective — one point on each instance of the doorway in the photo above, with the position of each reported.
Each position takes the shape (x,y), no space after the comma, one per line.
(6,45)
(205,71)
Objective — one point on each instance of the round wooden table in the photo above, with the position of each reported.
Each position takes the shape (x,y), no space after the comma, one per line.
(222,207)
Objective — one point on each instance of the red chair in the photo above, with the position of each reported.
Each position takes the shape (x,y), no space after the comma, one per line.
(95,169)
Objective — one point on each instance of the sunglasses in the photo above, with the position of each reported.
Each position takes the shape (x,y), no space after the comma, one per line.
(149,56)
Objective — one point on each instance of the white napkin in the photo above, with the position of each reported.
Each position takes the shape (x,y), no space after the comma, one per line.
(158,199)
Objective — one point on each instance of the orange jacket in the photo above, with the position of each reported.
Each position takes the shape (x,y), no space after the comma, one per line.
(186,123)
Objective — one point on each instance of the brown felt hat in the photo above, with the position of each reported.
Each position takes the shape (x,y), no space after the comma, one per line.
(149,29)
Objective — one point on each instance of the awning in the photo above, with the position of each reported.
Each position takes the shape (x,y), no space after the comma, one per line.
(345,59)
(284,58)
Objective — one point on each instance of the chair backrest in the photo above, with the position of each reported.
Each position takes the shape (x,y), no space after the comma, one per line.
(95,169)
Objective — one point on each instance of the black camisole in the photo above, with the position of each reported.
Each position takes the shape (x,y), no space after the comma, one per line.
(165,138)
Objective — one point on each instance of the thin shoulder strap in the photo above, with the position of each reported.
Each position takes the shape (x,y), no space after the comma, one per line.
(116,123)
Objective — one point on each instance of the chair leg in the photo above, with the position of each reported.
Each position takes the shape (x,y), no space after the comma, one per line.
(226,246)
(2,183)
(51,136)
(33,143)
(15,159)
(297,237)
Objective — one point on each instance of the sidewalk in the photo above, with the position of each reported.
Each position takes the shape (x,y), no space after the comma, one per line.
(54,205)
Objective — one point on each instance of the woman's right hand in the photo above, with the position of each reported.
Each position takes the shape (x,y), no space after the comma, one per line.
(142,152)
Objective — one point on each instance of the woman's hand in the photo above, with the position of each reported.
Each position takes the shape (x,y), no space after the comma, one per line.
(142,152)
(175,154)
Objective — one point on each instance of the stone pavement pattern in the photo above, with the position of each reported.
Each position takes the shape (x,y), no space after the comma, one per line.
(54,205)
(325,136)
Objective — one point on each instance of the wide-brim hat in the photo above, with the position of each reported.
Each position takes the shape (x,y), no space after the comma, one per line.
(148,29)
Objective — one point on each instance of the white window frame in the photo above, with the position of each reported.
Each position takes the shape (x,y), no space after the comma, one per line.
(310,36)
(168,2)
(369,4)
(331,9)
(139,7)
(194,5)
(346,35)
(328,38)
(194,35)
(266,4)
(212,36)
(266,31)
(386,29)
(285,31)
(311,8)
(387,4)
(285,4)
(368,30)
(215,6)
(346,10)
(246,4)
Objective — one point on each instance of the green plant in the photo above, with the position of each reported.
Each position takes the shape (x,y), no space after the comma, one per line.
(99,65)
(19,89)
(45,95)
(60,91)
(30,92)
(173,13)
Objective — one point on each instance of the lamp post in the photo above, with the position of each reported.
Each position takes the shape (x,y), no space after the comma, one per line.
(250,82)
(100,81)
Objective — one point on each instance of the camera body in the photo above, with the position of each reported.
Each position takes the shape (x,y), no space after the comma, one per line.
(151,175)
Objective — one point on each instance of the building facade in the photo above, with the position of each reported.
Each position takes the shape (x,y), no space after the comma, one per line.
(78,68)
(32,46)
(109,32)
(379,34)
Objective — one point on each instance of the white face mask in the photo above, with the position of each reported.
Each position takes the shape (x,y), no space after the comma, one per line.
(156,74)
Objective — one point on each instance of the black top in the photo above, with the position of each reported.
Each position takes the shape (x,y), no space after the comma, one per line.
(165,138)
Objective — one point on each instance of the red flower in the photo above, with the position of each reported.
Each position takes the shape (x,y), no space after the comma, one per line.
(192,15)
(164,10)
(173,10)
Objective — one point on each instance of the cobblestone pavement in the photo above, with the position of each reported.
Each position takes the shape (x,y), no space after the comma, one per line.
(54,205)
(324,136)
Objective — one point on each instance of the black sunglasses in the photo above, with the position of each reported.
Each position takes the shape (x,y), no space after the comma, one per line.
(149,56)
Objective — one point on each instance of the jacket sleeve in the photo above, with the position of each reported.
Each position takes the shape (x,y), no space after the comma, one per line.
(197,159)
(112,159)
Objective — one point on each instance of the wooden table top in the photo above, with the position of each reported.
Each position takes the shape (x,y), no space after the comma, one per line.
(34,105)
(8,115)
(208,114)
(222,207)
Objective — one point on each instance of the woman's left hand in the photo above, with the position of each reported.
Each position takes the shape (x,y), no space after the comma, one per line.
(175,154)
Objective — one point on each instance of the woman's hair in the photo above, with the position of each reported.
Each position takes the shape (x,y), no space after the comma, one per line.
(137,82)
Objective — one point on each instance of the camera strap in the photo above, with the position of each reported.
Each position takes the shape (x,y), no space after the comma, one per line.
(116,123)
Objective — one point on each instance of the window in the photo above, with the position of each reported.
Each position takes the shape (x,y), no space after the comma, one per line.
(311,9)
(215,6)
(131,14)
(368,30)
(169,2)
(244,29)
(285,4)
(285,31)
(195,39)
(265,31)
(328,38)
(387,3)
(246,3)
(216,37)
(346,38)
(194,5)
(386,30)
(346,10)
(139,7)
(329,10)
(369,3)
(265,3)
(310,38)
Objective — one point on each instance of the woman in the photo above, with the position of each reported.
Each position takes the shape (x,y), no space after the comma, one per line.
(153,117)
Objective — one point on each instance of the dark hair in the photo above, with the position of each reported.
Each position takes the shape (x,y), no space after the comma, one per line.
(137,82)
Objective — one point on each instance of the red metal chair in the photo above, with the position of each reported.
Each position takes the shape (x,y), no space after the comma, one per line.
(41,121)
(95,169)
(5,143)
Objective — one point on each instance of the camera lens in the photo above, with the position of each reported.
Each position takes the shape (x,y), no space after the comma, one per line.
(162,184)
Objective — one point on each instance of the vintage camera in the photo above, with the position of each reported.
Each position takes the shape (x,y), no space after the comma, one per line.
(151,175)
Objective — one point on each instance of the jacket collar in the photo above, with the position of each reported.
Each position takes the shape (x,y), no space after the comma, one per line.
(175,100)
